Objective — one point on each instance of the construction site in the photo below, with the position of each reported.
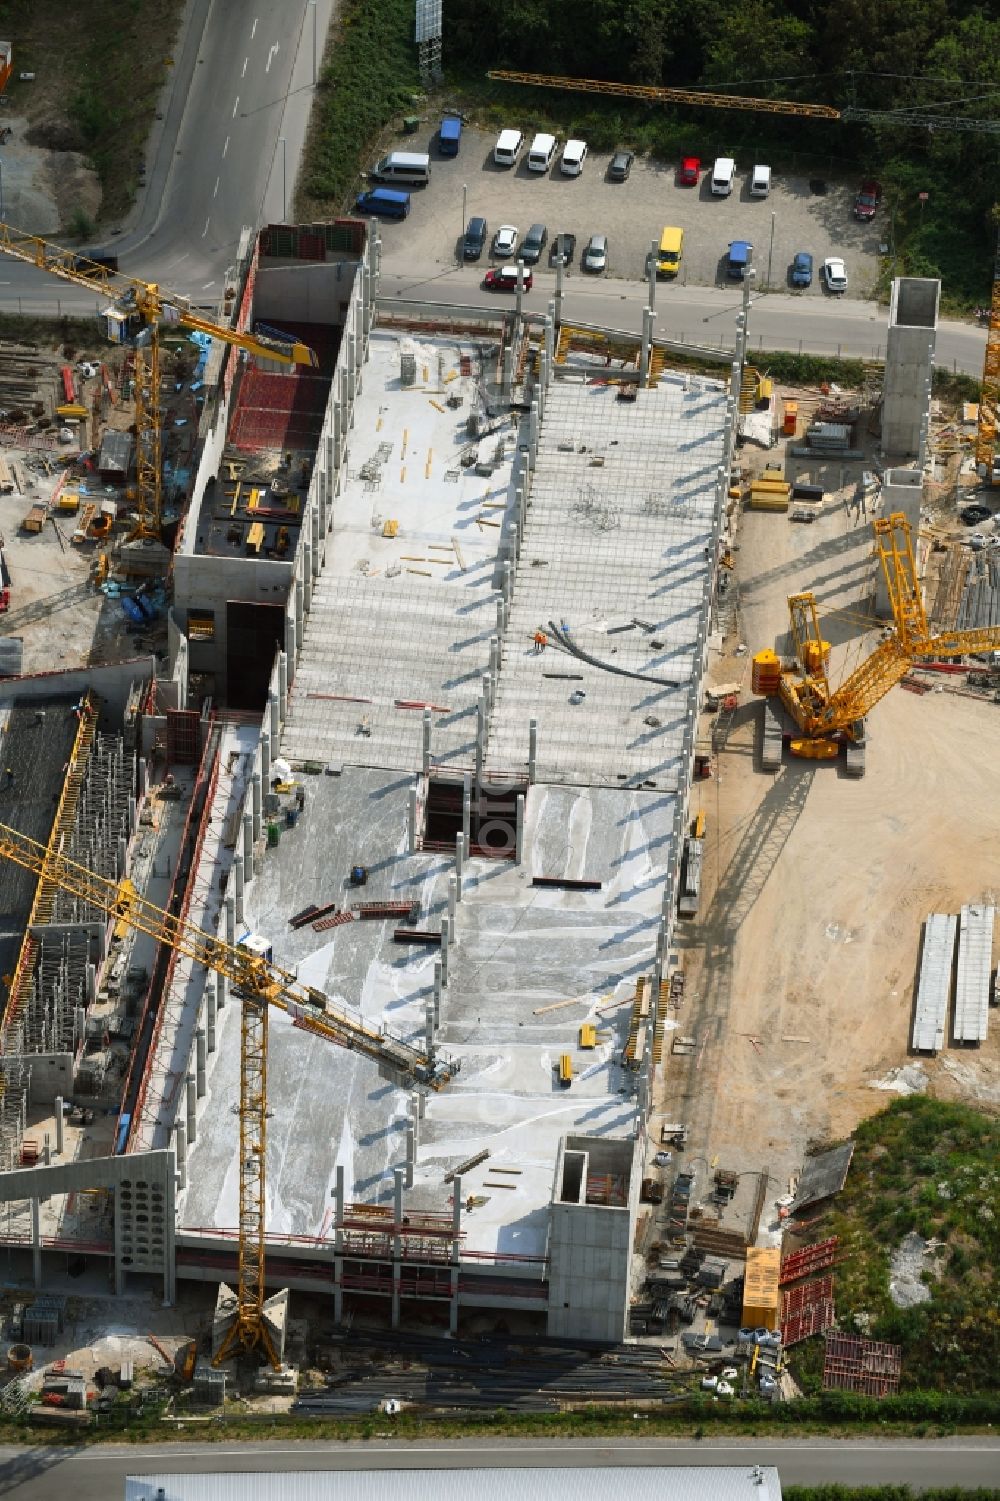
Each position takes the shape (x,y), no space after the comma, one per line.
(431,915)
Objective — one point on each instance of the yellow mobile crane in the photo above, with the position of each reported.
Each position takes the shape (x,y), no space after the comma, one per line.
(261,986)
(826,719)
(133,316)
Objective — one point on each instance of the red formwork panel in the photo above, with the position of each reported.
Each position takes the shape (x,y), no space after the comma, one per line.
(811,1259)
(861,1365)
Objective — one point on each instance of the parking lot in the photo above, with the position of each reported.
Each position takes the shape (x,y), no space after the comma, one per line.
(805,215)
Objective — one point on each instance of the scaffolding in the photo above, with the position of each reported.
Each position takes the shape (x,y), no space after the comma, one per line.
(103,825)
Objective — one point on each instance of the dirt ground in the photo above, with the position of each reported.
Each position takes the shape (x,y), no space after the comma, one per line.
(801,968)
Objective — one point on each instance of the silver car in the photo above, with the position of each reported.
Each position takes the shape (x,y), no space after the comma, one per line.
(595,256)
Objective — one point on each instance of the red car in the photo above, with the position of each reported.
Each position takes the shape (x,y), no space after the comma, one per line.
(868,199)
(504,279)
(689,171)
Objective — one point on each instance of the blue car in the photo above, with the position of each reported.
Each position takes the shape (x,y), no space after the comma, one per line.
(802,269)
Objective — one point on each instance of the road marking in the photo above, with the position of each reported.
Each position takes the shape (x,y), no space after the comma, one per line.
(225,148)
(205,230)
(623,1448)
(253,29)
(244,73)
(215,192)
(272,52)
(236,106)
(206,284)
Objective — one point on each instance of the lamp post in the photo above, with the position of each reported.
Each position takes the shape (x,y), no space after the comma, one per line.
(770,252)
(465,194)
(314,7)
(284,196)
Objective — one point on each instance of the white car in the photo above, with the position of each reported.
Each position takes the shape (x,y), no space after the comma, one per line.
(730,1373)
(709,1383)
(505,240)
(573,157)
(835,274)
(725,1389)
(663,1159)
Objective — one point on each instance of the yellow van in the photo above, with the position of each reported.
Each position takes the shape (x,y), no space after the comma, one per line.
(668,260)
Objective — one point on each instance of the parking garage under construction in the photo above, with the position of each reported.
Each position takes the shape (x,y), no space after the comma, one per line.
(460,613)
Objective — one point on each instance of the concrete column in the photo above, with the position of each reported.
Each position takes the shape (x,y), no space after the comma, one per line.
(507,375)
(416,1116)
(201,1060)
(36,1241)
(654,255)
(549,332)
(494,658)
(445,936)
(265,756)
(169,1241)
(140,779)
(180,1153)
(60,1125)
(255,784)
(211,1011)
(248,846)
(307,574)
(426,742)
(46,1150)
(519,830)
(338,1246)
(501,615)
(647,345)
(437,992)
(79,1023)
(532,750)
(453,888)
(399,1176)
(238,878)
(291,635)
(480,739)
(122,857)
(466,806)
(508,581)
(456,1251)
(299,609)
(459,865)
(274,712)
(314,528)
(230,906)
(282,694)
(192,1108)
(557,301)
(90,981)
(411,820)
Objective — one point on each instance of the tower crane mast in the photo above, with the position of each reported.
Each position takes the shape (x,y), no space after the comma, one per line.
(262,987)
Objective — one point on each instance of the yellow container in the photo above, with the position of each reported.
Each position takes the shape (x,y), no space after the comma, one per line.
(588,1035)
(760,1289)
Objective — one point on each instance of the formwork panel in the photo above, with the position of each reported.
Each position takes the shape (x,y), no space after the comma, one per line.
(972,981)
(936,967)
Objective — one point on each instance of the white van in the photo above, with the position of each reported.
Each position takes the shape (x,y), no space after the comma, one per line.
(722,176)
(411,169)
(760,182)
(573,157)
(543,149)
(508,148)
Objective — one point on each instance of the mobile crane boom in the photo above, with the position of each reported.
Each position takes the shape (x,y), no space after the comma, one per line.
(827,718)
(262,986)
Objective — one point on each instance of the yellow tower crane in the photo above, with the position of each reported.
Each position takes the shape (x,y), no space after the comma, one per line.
(261,986)
(706,98)
(825,718)
(134,313)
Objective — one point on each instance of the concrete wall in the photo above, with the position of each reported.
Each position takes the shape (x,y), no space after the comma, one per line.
(902,490)
(205,583)
(51,1075)
(112,683)
(304,292)
(590,1245)
(913,314)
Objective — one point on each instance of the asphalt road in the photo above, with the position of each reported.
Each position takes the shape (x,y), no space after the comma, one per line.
(224,155)
(41,1474)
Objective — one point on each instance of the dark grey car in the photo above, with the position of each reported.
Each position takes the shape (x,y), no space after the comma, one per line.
(620,166)
(476,234)
(533,244)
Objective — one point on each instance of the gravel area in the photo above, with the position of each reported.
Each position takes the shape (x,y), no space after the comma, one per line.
(632,214)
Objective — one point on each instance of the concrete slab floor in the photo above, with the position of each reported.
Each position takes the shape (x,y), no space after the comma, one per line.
(519,949)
